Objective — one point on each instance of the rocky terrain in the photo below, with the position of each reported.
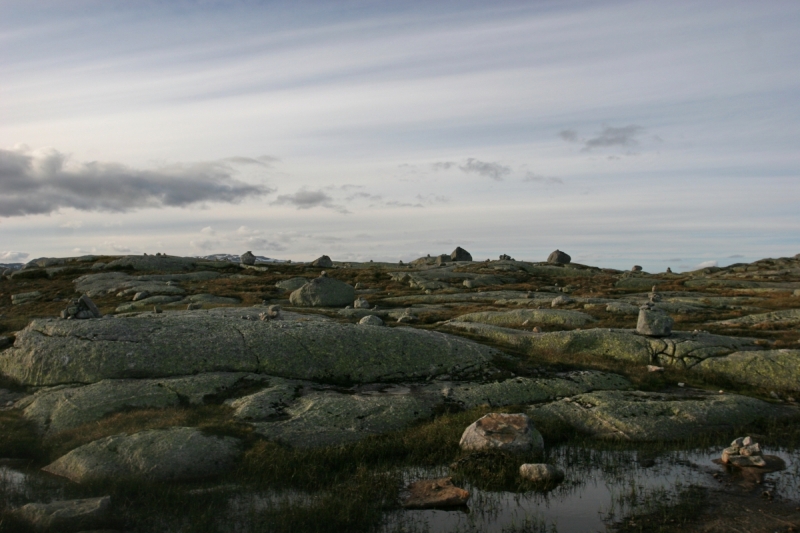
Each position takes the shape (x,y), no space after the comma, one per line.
(315,356)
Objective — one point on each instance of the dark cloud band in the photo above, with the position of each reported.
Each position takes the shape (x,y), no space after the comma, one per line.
(32,184)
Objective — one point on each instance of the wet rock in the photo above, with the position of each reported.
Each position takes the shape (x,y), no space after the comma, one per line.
(292,284)
(50,352)
(559,257)
(66,515)
(322,262)
(460,254)
(653,322)
(371,320)
(541,473)
(323,292)
(434,493)
(502,431)
(650,416)
(172,454)
(247,258)
(25,297)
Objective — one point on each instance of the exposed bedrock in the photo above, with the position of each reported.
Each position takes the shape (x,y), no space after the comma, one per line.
(50,352)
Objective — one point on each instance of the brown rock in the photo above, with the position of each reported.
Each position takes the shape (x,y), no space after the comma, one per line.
(502,431)
(430,493)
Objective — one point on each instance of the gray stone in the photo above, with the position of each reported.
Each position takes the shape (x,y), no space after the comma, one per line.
(785,318)
(66,515)
(559,257)
(325,418)
(25,297)
(778,369)
(50,352)
(371,320)
(654,322)
(636,268)
(322,262)
(562,300)
(140,296)
(173,454)
(148,302)
(247,258)
(361,303)
(502,431)
(292,284)
(155,262)
(323,292)
(622,308)
(267,403)
(518,317)
(651,416)
(541,473)
(460,254)
(62,408)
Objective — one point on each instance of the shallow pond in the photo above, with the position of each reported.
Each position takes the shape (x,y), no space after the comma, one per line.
(600,488)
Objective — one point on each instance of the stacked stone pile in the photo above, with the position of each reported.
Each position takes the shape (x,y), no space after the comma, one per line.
(743,451)
(81,308)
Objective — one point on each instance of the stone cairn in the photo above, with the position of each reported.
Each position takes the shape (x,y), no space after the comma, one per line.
(248,258)
(743,451)
(81,308)
(653,322)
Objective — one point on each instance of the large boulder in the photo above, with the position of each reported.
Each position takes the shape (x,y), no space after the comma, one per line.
(173,454)
(51,352)
(541,473)
(559,257)
(504,432)
(653,416)
(323,292)
(247,258)
(292,284)
(66,515)
(460,254)
(653,322)
(322,262)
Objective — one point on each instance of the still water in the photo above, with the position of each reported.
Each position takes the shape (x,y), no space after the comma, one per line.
(600,488)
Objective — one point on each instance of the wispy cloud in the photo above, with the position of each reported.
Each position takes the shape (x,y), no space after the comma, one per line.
(306,199)
(610,136)
(496,171)
(43,182)
(533,177)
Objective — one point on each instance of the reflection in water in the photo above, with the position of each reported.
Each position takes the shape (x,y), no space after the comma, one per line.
(600,487)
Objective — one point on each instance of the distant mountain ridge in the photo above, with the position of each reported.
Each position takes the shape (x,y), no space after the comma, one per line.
(12,266)
(235,258)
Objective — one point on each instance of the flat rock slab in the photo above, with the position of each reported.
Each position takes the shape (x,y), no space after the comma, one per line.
(157,455)
(681,349)
(650,416)
(325,418)
(511,432)
(522,390)
(771,369)
(61,408)
(51,352)
(786,318)
(549,317)
(66,515)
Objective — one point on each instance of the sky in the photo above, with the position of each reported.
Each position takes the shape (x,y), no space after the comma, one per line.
(661,134)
